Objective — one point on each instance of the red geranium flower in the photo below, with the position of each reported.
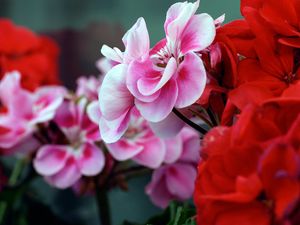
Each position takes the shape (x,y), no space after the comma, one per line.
(271,70)
(282,16)
(35,57)
(250,171)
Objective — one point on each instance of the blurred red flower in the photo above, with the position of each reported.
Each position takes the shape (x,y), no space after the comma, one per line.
(249,173)
(35,57)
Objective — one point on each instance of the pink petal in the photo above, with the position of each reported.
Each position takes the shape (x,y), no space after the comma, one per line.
(153,153)
(114,97)
(50,159)
(48,99)
(14,131)
(93,111)
(177,17)
(167,128)
(91,131)
(180,179)
(160,108)
(9,85)
(92,160)
(112,131)
(148,86)
(158,46)
(66,177)
(136,41)
(139,70)
(88,87)
(124,149)
(12,96)
(191,80)
(113,54)
(66,115)
(218,22)
(157,189)
(191,145)
(173,149)
(198,34)
(104,65)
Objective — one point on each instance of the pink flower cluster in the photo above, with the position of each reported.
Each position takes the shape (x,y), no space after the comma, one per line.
(62,155)
(125,115)
(174,159)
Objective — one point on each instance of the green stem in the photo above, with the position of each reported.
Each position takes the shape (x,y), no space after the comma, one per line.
(16,172)
(16,191)
(3,206)
(103,205)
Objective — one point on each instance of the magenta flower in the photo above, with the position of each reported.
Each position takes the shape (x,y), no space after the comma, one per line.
(63,165)
(175,180)
(173,75)
(24,110)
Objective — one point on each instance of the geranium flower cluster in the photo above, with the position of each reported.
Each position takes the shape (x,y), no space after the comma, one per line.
(212,103)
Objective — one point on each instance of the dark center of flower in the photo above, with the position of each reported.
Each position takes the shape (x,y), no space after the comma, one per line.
(289,78)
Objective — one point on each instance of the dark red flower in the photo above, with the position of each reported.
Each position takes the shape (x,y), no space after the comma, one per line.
(35,57)
(250,171)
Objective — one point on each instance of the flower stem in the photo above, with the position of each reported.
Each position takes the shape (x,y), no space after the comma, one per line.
(212,117)
(16,172)
(130,170)
(103,205)
(3,206)
(189,122)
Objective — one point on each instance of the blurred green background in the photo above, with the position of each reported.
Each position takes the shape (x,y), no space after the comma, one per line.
(81,27)
(44,15)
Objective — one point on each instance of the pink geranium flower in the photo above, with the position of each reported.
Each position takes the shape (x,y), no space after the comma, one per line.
(24,110)
(173,75)
(88,87)
(64,164)
(138,143)
(175,179)
(155,81)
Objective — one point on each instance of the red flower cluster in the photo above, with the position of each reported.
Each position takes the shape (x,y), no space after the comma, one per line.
(271,50)
(35,57)
(250,172)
